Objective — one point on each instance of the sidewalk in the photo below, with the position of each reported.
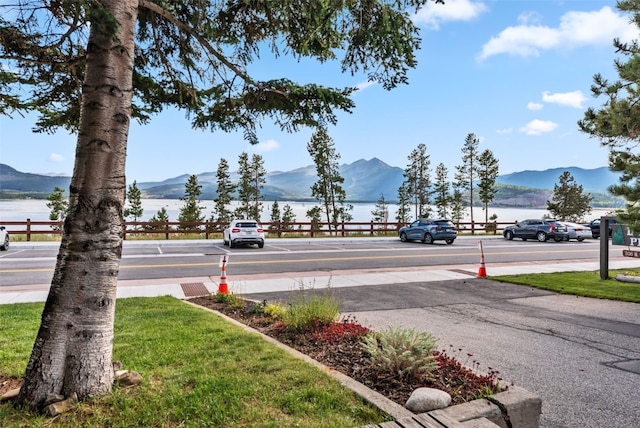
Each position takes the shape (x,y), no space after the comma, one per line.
(182,288)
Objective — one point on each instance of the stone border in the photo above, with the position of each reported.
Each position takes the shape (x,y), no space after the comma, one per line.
(513,408)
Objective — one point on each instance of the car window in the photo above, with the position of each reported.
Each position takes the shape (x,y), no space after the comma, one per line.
(445,223)
(247,224)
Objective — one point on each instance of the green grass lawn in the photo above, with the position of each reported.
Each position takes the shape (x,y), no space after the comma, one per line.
(198,369)
(586,284)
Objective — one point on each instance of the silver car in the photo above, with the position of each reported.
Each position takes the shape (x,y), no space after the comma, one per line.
(4,239)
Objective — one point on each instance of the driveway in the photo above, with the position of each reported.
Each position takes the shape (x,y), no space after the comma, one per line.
(581,355)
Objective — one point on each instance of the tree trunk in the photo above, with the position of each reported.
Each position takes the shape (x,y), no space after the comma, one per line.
(73,349)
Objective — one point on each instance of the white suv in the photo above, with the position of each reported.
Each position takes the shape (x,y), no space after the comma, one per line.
(243,232)
(4,239)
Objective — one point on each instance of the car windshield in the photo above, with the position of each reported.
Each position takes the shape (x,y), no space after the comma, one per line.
(443,223)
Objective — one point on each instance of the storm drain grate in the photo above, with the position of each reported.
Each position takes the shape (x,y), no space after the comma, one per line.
(194,289)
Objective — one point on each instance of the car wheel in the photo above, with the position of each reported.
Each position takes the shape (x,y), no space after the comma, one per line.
(558,238)
(231,245)
(508,235)
(427,239)
(580,239)
(403,237)
(541,236)
(261,245)
(449,241)
(5,245)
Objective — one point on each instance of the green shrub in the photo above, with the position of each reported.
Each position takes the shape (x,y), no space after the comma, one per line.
(402,351)
(310,312)
(275,310)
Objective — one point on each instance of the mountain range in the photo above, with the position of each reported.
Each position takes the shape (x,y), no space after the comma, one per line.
(364,181)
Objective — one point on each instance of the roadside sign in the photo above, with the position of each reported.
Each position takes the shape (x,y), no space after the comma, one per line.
(631,253)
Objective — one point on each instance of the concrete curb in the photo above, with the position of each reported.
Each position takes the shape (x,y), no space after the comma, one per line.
(513,408)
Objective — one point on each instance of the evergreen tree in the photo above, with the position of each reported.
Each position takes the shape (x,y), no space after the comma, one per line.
(487,174)
(81,65)
(442,191)
(59,206)
(380,211)
(161,216)
(191,211)
(275,218)
(457,204)
(466,173)
(134,197)
(569,202)
(417,176)
(403,213)
(288,218)
(314,214)
(224,192)
(252,179)
(617,122)
(328,189)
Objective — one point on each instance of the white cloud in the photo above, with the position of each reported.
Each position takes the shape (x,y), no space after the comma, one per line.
(572,99)
(56,157)
(453,10)
(267,146)
(575,29)
(505,131)
(364,85)
(535,106)
(537,127)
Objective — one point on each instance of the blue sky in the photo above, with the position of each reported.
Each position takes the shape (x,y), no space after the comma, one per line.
(516,73)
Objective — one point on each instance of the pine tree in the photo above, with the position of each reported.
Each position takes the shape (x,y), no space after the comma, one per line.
(328,189)
(380,211)
(403,213)
(224,192)
(275,218)
(314,214)
(569,202)
(162,216)
(488,169)
(467,172)
(134,196)
(191,211)
(617,122)
(418,180)
(457,204)
(252,179)
(288,218)
(59,206)
(442,191)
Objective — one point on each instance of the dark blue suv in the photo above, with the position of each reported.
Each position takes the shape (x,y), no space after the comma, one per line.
(428,230)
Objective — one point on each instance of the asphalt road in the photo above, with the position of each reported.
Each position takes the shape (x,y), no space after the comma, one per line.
(581,355)
(27,263)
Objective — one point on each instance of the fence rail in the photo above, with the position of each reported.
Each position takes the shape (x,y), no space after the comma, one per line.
(213,230)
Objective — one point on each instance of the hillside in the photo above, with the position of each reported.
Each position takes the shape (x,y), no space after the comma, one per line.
(364,181)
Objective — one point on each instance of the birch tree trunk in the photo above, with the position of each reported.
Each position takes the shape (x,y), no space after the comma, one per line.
(73,349)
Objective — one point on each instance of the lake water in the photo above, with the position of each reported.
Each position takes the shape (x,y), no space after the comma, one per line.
(36,210)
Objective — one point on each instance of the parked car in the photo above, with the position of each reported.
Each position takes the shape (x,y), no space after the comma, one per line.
(577,231)
(540,229)
(243,232)
(594,225)
(4,239)
(429,230)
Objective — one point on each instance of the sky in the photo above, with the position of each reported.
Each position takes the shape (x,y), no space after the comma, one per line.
(516,73)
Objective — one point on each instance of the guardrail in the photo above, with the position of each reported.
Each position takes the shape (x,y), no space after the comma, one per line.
(213,230)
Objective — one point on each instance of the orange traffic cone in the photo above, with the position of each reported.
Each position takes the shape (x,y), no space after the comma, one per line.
(482,271)
(222,287)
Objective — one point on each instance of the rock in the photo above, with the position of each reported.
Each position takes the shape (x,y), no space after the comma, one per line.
(61,406)
(127,378)
(427,399)
(10,395)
